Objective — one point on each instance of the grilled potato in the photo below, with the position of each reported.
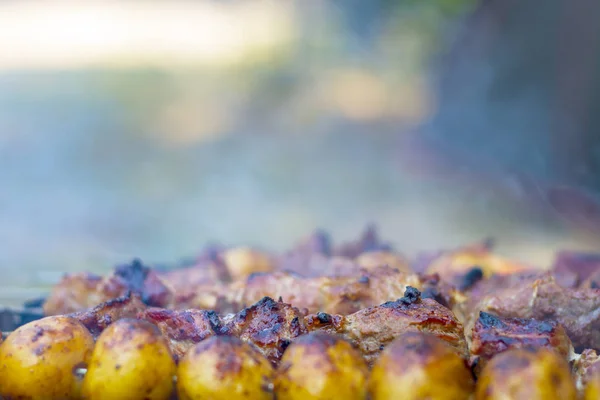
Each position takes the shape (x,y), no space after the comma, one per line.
(592,389)
(224,367)
(420,366)
(526,374)
(131,361)
(321,366)
(243,261)
(38,360)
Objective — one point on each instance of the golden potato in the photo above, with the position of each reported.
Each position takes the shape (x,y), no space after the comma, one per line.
(243,261)
(224,368)
(420,366)
(131,361)
(38,360)
(526,374)
(321,366)
(592,389)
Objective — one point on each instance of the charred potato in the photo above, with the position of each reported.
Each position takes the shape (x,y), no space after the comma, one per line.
(526,374)
(224,368)
(131,360)
(321,366)
(243,261)
(38,359)
(420,366)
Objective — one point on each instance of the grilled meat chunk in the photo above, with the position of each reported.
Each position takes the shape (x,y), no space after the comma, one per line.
(586,369)
(218,265)
(492,335)
(77,292)
(466,309)
(334,295)
(573,268)
(183,329)
(342,295)
(368,241)
(464,266)
(96,319)
(371,329)
(270,325)
(81,291)
(317,256)
(541,297)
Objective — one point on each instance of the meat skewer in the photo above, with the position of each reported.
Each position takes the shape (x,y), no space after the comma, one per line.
(272,325)
(332,294)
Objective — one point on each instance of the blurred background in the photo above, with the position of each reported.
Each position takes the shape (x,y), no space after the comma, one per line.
(151,128)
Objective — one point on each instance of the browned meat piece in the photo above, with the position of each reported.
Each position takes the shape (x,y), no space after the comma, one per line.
(592,282)
(341,295)
(221,297)
(318,265)
(586,368)
(303,293)
(492,335)
(372,288)
(309,257)
(315,256)
(183,279)
(218,265)
(373,259)
(183,329)
(269,325)
(572,268)
(464,266)
(371,329)
(82,291)
(96,319)
(204,285)
(335,295)
(368,241)
(77,292)
(466,309)
(540,297)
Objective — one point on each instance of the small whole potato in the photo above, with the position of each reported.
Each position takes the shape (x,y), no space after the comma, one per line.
(591,391)
(243,261)
(131,360)
(39,359)
(420,366)
(526,374)
(224,368)
(321,366)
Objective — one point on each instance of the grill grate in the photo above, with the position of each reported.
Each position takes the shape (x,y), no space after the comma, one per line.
(12,318)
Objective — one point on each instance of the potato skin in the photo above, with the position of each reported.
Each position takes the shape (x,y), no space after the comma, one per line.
(243,261)
(131,360)
(321,366)
(592,390)
(224,368)
(420,366)
(37,360)
(526,374)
